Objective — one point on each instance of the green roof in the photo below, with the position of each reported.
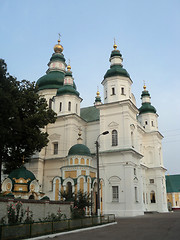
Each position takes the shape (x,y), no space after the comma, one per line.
(116,53)
(57,57)
(147,108)
(79,149)
(22,172)
(173,183)
(52,80)
(145,93)
(90,114)
(67,89)
(68,73)
(116,70)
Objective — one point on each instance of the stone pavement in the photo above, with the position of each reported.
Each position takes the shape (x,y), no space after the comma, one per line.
(159,226)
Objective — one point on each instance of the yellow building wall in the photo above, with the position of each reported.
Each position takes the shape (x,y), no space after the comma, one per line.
(71,174)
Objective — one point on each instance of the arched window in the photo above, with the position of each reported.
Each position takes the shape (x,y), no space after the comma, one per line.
(69,190)
(152,197)
(114,138)
(69,106)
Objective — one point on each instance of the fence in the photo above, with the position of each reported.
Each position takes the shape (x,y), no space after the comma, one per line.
(20,231)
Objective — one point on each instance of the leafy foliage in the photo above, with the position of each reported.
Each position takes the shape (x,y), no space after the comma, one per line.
(23,115)
(81,201)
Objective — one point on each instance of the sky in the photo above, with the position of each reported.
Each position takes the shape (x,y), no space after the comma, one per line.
(147,34)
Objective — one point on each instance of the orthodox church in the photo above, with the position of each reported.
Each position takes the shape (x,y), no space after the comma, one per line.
(131,171)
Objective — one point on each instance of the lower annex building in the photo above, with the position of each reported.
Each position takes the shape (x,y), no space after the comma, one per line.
(132,175)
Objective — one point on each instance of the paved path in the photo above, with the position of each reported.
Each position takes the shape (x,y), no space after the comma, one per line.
(165,226)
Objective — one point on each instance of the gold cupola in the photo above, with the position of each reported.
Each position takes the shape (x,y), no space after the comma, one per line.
(58,48)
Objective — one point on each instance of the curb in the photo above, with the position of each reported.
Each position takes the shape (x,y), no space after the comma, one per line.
(73,231)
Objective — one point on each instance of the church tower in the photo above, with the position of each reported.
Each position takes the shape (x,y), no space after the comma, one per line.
(117,82)
(147,113)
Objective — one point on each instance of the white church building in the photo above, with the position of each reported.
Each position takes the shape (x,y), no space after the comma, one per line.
(131,170)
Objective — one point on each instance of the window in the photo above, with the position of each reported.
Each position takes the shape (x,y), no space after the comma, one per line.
(55,148)
(69,191)
(106,94)
(152,197)
(69,106)
(134,171)
(132,139)
(115,193)
(60,107)
(113,91)
(146,123)
(151,180)
(76,108)
(122,91)
(136,195)
(50,103)
(152,123)
(114,138)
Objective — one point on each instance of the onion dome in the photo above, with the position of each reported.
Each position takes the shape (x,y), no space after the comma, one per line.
(116,68)
(146,103)
(52,80)
(79,149)
(97,99)
(67,89)
(22,172)
(54,77)
(58,48)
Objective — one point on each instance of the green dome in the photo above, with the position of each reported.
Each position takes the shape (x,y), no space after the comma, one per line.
(116,53)
(68,73)
(145,93)
(146,108)
(67,89)
(79,149)
(57,57)
(116,70)
(22,172)
(52,80)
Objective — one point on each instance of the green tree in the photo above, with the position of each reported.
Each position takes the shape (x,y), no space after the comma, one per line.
(23,115)
(80,199)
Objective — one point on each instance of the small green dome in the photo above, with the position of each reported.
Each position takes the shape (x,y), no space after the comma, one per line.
(79,149)
(57,57)
(22,172)
(67,89)
(116,70)
(116,53)
(52,80)
(146,108)
(68,73)
(145,93)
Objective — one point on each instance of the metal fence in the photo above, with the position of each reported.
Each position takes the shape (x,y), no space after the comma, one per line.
(21,231)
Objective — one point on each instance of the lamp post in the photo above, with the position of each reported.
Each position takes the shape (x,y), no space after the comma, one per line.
(97,156)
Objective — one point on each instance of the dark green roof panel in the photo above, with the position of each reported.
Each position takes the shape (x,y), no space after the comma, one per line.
(147,108)
(89,114)
(173,183)
(52,80)
(116,70)
(67,89)
(116,53)
(145,93)
(57,57)
(22,172)
(79,149)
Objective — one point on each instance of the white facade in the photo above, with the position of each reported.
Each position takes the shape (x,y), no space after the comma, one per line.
(131,165)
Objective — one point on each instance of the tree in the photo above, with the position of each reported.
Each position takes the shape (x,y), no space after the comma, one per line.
(80,199)
(23,115)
